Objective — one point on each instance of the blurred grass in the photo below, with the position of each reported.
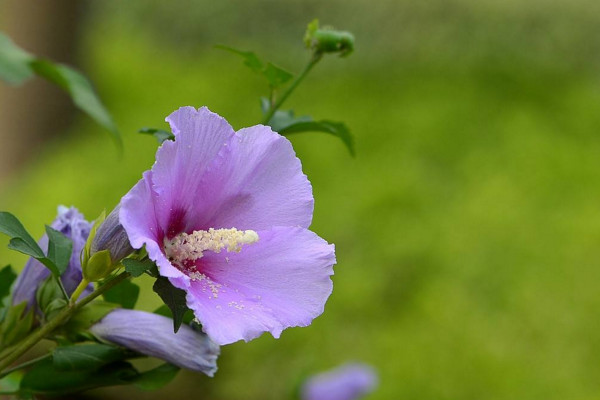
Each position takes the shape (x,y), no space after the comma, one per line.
(466,230)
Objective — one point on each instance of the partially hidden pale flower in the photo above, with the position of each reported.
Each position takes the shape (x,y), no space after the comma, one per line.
(152,335)
(71,223)
(348,382)
(225,216)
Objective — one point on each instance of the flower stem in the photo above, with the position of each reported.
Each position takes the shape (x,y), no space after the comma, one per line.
(80,288)
(313,61)
(57,321)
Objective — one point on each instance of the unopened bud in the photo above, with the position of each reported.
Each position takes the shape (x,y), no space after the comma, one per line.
(327,40)
(107,245)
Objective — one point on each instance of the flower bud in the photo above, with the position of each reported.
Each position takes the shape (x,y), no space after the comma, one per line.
(107,245)
(327,40)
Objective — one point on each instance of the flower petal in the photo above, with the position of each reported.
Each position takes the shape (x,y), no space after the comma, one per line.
(199,135)
(256,182)
(72,224)
(348,382)
(281,281)
(152,335)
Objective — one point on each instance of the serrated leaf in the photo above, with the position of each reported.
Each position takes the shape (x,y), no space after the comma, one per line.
(160,134)
(7,277)
(45,378)
(60,248)
(86,356)
(337,129)
(174,298)
(125,293)
(14,62)
(276,76)
(156,377)
(137,267)
(81,91)
(251,60)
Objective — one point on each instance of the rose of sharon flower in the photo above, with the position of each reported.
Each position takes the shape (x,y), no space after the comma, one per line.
(225,216)
(348,382)
(152,335)
(71,223)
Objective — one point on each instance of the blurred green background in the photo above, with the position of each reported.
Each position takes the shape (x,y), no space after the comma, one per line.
(468,227)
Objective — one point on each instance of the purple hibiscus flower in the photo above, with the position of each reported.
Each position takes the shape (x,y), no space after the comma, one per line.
(71,223)
(152,335)
(224,215)
(348,382)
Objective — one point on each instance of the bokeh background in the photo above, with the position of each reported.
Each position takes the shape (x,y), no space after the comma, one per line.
(467,228)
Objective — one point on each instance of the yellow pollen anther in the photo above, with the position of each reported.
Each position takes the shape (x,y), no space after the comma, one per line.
(192,246)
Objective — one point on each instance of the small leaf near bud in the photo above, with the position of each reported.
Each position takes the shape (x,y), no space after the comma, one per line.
(327,40)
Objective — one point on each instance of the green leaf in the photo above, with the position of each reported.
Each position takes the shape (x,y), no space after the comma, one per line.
(165,311)
(14,62)
(7,277)
(251,60)
(160,134)
(60,248)
(137,267)
(21,240)
(11,382)
(276,76)
(337,129)
(81,91)
(125,293)
(46,378)
(174,298)
(156,377)
(17,323)
(89,315)
(86,356)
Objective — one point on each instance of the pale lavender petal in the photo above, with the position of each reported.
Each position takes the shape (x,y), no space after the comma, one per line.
(256,182)
(348,382)
(72,224)
(152,335)
(281,281)
(199,135)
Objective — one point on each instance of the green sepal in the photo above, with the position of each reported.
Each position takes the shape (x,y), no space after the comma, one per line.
(87,249)
(49,298)
(98,266)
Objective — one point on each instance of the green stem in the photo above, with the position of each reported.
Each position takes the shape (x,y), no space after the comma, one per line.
(24,365)
(313,61)
(61,286)
(57,321)
(79,289)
